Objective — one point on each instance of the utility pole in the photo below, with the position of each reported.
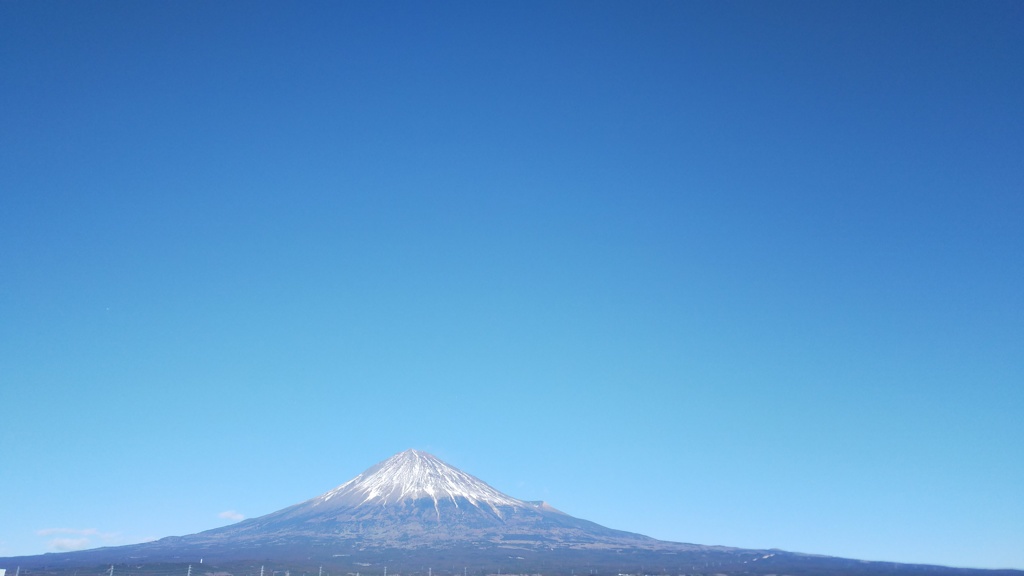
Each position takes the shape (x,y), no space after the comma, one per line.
(189,570)
(261,570)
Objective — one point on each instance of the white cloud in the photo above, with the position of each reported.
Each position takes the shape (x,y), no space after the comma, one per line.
(65,544)
(78,531)
(77,538)
(231,515)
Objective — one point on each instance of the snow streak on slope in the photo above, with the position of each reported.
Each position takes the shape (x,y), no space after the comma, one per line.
(412,475)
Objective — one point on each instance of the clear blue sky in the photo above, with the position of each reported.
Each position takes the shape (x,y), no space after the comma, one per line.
(741,273)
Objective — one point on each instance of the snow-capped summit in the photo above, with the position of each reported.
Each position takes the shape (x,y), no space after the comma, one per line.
(412,475)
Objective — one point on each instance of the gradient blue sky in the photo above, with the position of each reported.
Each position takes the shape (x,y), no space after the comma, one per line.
(736,273)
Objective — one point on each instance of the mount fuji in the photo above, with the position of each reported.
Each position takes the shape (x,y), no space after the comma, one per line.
(413,501)
(413,511)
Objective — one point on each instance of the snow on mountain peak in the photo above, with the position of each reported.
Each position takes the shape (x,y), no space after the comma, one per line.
(411,475)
